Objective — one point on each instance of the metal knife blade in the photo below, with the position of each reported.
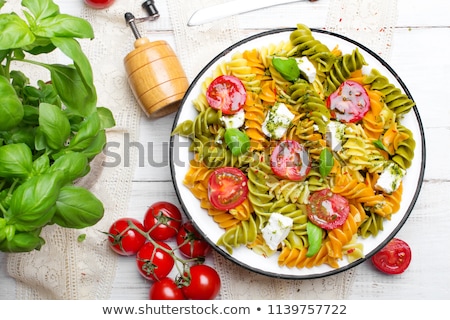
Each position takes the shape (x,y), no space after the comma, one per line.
(231,8)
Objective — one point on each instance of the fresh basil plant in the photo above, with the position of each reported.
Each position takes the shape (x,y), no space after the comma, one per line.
(50,131)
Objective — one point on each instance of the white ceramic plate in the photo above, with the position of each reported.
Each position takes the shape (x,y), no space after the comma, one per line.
(180,156)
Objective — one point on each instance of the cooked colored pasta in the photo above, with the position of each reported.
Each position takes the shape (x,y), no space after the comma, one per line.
(366,148)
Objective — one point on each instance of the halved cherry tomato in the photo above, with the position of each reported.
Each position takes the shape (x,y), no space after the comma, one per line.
(204,283)
(165,289)
(226,93)
(394,258)
(290,160)
(327,209)
(227,188)
(163,220)
(125,240)
(349,103)
(154,263)
(191,243)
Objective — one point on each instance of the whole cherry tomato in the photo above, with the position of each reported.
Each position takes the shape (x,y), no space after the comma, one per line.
(394,258)
(204,283)
(165,289)
(99,4)
(125,240)
(154,263)
(191,243)
(163,220)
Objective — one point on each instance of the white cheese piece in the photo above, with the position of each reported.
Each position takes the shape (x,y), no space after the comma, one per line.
(234,121)
(390,179)
(307,68)
(276,230)
(335,135)
(277,121)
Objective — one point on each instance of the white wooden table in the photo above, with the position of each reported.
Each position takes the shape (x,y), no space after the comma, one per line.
(420,50)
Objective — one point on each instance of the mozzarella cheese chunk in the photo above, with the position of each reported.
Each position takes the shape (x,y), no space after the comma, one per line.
(234,121)
(276,230)
(277,121)
(307,68)
(390,179)
(335,134)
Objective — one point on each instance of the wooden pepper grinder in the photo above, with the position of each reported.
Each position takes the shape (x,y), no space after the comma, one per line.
(155,74)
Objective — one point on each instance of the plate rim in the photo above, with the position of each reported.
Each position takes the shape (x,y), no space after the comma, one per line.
(350,265)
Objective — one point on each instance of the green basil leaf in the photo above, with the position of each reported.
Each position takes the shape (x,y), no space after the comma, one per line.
(326,162)
(106,118)
(41,165)
(96,146)
(20,135)
(86,134)
(23,242)
(40,142)
(288,68)
(54,125)
(33,202)
(74,165)
(11,108)
(16,160)
(63,25)
(72,49)
(237,141)
(15,32)
(315,235)
(72,89)
(30,115)
(2,227)
(39,46)
(78,208)
(19,79)
(41,9)
(379,145)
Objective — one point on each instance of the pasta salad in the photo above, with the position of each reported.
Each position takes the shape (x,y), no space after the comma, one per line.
(299,151)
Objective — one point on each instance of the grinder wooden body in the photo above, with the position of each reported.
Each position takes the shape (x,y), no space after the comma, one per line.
(156,77)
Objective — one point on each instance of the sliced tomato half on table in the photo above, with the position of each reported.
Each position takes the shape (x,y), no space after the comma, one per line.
(327,209)
(349,103)
(290,160)
(227,188)
(394,258)
(226,93)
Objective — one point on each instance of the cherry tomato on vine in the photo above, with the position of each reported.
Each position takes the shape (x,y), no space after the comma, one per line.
(327,209)
(165,289)
(99,4)
(349,103)
(163,220)
(204,283)
(227,188)
(191,243)
(394,258)
(154,263)
(123,239)
(290,160)
(226,93)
